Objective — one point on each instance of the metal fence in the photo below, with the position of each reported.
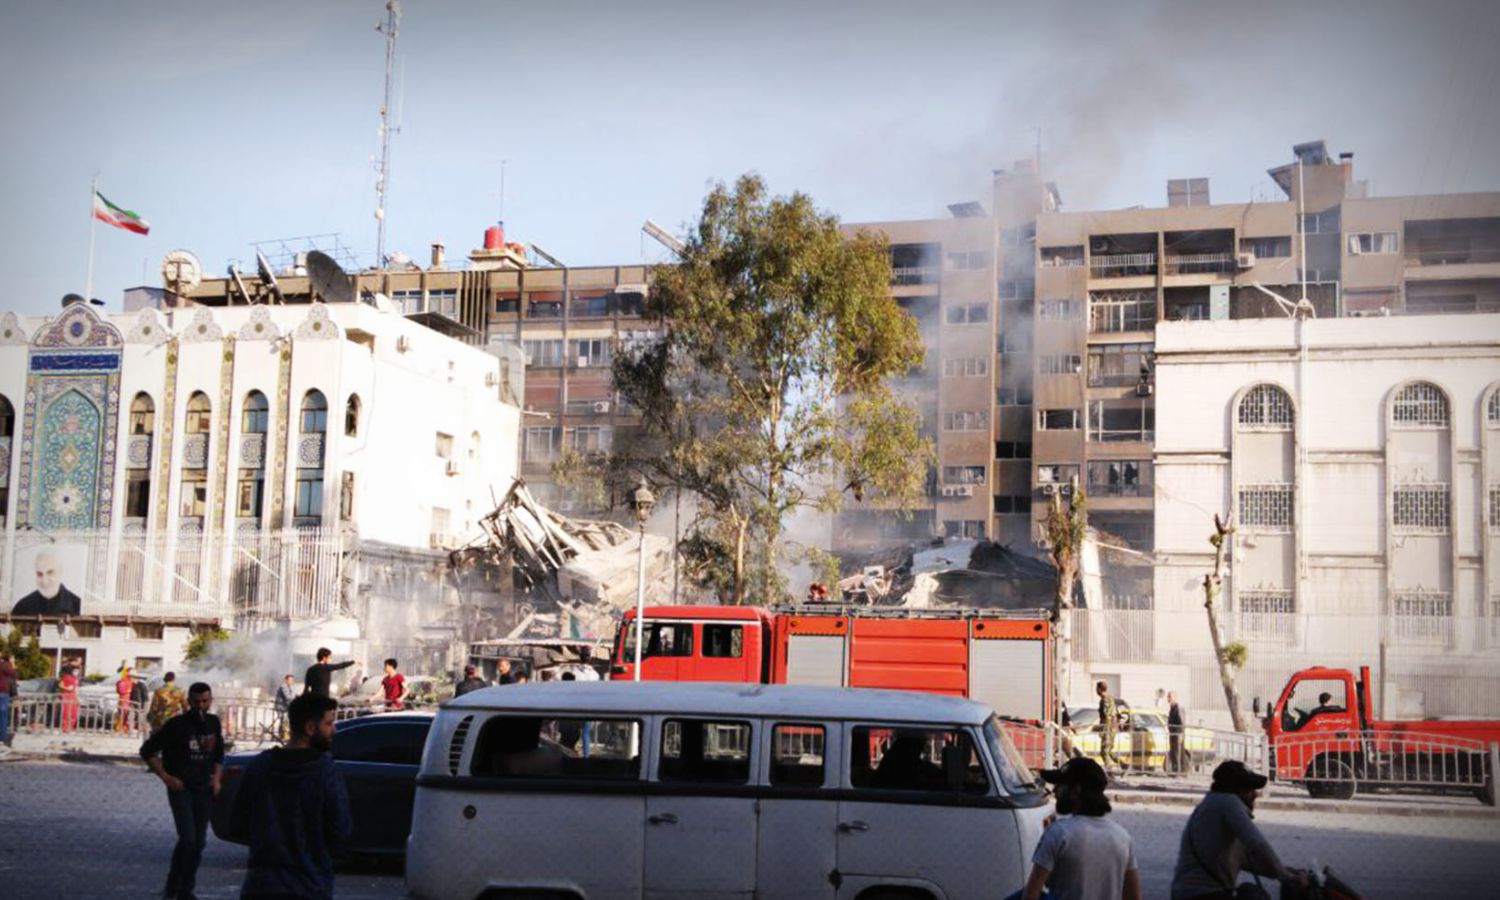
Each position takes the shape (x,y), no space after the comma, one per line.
(252,721)
(1340,764)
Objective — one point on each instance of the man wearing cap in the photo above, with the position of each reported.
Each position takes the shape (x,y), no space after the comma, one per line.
(471,682)
(1083,855)
(1220,839)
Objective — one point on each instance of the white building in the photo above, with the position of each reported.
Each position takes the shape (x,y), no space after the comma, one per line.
(1361,460)
(275,468)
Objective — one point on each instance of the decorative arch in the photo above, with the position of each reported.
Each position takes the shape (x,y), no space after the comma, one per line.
(1265,407)
(1419,404)
(255,414)
(314,418)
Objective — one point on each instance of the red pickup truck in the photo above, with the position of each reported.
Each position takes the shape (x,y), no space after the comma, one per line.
(1323,734)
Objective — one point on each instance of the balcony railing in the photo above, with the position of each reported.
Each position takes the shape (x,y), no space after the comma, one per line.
(1200,263)
(1122,265)
(904,275)
(1120,489)
(1453,257)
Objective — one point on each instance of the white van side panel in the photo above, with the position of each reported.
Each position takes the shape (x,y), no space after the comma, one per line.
(797,852)
(815,659)
(700,847)
(969,852)
(525,840)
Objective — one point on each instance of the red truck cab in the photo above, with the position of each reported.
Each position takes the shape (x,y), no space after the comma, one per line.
(696,643)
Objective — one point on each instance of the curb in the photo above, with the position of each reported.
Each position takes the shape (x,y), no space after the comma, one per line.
(1293,804)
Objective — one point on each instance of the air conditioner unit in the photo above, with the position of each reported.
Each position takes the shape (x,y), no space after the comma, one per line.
(403,343)
(958,490)
(452,467)
(1245,260)
(1145,389)
(601,406)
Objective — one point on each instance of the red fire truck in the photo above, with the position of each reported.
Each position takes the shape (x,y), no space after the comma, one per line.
(999,658)
(1323,733)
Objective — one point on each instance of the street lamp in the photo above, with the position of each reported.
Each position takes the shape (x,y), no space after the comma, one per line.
(642,500)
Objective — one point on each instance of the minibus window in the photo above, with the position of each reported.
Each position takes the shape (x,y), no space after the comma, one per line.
(554,747)
(724,641)
(915,759)
(797,755)
(705,751)
(1014,774)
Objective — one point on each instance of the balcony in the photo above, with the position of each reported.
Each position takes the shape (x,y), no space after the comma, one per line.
(1201,263)
(1454,257)
(1452,242)
(1115,312)
(1122,265)
(909,275)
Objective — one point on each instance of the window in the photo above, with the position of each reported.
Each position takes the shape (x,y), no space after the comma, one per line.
(255,417)
(971,529)
(544,304)
(724,641)
(443,445)
(1055,473)
(1018,235)
(1267,613)
(1012,504)
(199,418)
(968,259)
(1120,311)
(797,755)
(1492,409)
(351,416)
(252,489)
(1119,365)
(1366,243)
(1062,257)
(82,629)
(1267,506)
(408,302)
(394,743)
(194,493)
(975,420)
(1057,419)
(142,415)
(1016,288)
(542,443)
(590,438)
(967,314)
(309,504)
(572,748)
(1495,507)
(1421,507)
(1423,617)
(314,413)
(440,520)
(1266,407)
(967,367)
(590,304)
(1060,310)
(1013,396)
(1012,450)
(546,352)
(662,639)
(963,474)
(1059,364)
(137,493)
(590,352)
(885,758)
(1267,247)
(705,751)
(1326,222)
(444,302)
(1115,421)
(147,631)
(507,301)
(1308,701)
(1420,405)
(1120,477)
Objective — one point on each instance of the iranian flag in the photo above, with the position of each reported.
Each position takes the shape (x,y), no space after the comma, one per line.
(105,211)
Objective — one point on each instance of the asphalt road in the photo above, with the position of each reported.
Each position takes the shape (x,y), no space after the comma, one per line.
(103,830)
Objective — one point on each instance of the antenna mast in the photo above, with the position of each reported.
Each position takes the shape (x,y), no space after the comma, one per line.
(382,177)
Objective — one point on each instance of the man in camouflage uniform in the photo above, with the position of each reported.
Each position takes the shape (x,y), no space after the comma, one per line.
(1109,720)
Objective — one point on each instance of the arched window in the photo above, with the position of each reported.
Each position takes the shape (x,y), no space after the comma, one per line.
(1420,405)
(142,415)
(314,413)
(1492,411)
(199,414)
(7,418)
(1267,407)
(256,415)
(351,416)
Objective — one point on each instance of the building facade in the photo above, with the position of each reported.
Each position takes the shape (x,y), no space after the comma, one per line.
(247,467)
(1360,461)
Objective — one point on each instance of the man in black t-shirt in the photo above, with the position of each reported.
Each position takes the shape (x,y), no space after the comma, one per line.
(186,754)
(320,673)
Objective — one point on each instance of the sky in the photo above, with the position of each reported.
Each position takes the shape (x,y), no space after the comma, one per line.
(227,123)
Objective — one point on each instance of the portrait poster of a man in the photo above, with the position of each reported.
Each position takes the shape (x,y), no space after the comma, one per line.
(51,597)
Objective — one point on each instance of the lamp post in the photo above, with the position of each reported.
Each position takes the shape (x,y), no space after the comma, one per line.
(642,500)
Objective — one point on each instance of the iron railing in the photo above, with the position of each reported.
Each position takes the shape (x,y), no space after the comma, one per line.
(1341,764)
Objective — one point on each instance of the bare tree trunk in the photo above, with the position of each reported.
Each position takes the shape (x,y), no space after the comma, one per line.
(1066,528)
(1212,583)
(739,561)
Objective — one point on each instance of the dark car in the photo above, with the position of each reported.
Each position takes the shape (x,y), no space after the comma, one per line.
(378,757)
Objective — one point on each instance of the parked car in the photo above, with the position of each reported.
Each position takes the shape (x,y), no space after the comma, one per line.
(378,756)
(1144,743)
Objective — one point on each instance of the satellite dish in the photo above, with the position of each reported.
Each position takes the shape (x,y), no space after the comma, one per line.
(181,271)
(327,280)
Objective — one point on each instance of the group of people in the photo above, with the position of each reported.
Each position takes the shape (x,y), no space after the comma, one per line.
(1113,718)
(1084,855)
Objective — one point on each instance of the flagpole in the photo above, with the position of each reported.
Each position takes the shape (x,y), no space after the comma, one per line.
(88,285)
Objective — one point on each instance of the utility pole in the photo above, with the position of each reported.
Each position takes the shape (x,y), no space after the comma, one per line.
(382,176)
